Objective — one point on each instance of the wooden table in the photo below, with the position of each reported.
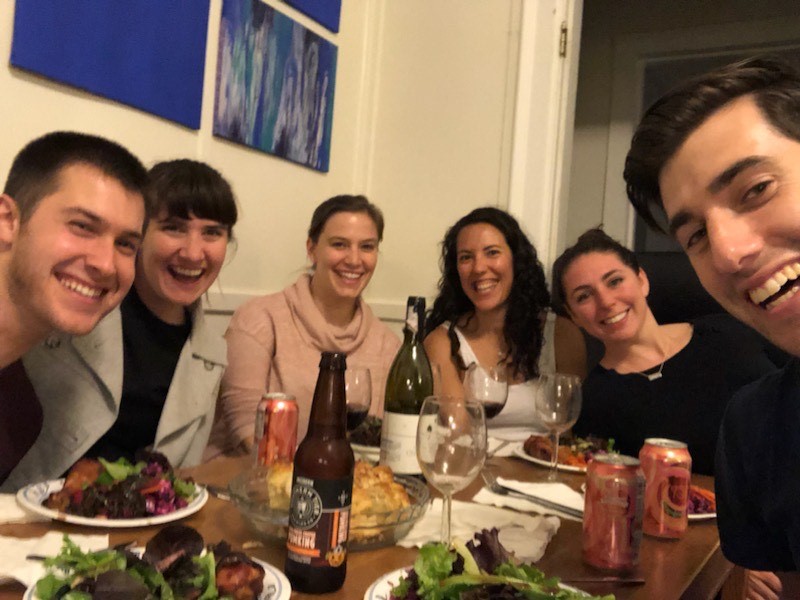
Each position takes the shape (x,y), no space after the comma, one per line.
(692,567)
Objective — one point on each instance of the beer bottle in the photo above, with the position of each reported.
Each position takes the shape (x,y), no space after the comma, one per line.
(409,382)
(322,488)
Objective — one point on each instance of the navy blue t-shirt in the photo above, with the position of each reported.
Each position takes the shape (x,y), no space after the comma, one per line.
(758,474)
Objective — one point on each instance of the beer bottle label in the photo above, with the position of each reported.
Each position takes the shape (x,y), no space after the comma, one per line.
(319,521)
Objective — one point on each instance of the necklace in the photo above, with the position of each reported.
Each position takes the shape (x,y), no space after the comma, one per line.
(655,375)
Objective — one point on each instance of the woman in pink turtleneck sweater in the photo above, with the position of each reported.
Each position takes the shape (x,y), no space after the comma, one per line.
(274,342)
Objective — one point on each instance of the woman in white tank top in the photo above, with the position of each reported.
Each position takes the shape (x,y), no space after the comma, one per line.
(492,308)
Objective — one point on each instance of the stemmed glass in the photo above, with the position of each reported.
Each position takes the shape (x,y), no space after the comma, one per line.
(558,405)
(487,385)
(358,392)
(451,447)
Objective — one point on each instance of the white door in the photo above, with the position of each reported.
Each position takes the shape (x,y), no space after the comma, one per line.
(544,120)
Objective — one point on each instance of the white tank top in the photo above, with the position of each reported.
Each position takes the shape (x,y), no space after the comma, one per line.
(518,416)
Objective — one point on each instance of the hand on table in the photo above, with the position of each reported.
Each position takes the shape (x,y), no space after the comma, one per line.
(763,585)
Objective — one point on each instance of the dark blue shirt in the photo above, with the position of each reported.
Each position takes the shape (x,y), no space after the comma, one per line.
(758,474)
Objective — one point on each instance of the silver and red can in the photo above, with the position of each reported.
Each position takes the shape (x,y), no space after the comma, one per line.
(667,467)
(276,429)
(612,513)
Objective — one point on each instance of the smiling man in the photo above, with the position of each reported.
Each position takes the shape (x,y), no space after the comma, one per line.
(720,156)
(71,217)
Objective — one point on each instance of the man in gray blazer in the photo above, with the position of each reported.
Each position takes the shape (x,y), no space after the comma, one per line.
(71,218)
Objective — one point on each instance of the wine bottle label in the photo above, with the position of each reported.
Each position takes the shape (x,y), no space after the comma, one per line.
(399,443)
(319,521)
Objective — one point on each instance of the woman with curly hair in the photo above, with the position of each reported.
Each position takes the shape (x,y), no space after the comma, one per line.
(492,309)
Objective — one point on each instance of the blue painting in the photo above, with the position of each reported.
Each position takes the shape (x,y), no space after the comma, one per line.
(325,12)
(275,84)
(145,54)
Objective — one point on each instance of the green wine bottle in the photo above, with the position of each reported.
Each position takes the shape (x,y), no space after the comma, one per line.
(409,382)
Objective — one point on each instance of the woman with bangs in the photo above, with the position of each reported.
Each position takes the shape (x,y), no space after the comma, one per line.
(148,375)
(492,309)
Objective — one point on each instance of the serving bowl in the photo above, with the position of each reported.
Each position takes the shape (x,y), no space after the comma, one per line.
(249,493)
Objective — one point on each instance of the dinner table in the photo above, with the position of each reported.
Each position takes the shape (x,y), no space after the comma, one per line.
(691,567)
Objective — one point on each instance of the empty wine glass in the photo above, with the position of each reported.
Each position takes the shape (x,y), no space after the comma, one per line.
(451,447)
(487,385)
(558,405)
(358,392)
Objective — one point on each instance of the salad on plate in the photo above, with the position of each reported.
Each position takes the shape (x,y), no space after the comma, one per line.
(481,568)
(122,490)
(175,564)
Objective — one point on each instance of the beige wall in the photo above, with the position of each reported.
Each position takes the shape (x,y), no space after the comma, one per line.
(422,118)
(606,23)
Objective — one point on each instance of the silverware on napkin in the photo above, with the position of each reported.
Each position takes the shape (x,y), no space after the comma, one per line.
(495,487)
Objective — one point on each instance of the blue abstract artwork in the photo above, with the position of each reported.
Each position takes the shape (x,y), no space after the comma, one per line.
(325,12)
(275,84)
(145,54)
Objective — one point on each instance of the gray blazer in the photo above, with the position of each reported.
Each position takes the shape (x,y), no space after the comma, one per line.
(79,382)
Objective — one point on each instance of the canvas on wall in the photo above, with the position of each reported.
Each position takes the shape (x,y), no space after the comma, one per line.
(324,12)
(275,84)
(149,55)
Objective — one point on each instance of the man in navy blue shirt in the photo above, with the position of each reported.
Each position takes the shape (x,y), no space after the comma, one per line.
(71,217)
(720,155)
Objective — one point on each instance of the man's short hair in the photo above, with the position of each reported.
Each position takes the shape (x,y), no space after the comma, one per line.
(774,85)
(35,170)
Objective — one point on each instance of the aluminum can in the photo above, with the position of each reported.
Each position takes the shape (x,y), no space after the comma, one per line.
(612,514)
(276,429)
(667,467)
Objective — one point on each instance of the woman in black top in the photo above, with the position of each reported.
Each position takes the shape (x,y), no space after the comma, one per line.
(670,381)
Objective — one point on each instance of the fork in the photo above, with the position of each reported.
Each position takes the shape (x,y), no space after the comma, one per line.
(494,486)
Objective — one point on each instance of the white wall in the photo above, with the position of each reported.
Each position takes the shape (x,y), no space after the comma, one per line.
(606,25)
(422,119)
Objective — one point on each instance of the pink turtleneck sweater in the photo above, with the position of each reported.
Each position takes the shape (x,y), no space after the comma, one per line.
(274,345)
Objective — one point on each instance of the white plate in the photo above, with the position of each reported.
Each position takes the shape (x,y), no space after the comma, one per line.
(382,587)
(276,586)
(703,516)
(368,453)
(520,452)
(31,497)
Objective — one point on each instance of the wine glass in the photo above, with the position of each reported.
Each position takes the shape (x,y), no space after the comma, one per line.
(487,385)
(451,447)
(558,405)
(358,394)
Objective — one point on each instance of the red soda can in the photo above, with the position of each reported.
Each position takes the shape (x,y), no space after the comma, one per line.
(612,513)
(276,429)
(667,468)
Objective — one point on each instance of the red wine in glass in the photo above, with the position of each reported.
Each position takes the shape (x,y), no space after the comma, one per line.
(492,409)
(356,414)
(489,386)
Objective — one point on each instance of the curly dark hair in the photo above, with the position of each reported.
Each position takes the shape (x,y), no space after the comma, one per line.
(593,240)
(523,329)
(773,84)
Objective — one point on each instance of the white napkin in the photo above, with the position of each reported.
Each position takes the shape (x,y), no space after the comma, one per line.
(496,447)
(555,492)
(11,512)
(14,565)
(525,535)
